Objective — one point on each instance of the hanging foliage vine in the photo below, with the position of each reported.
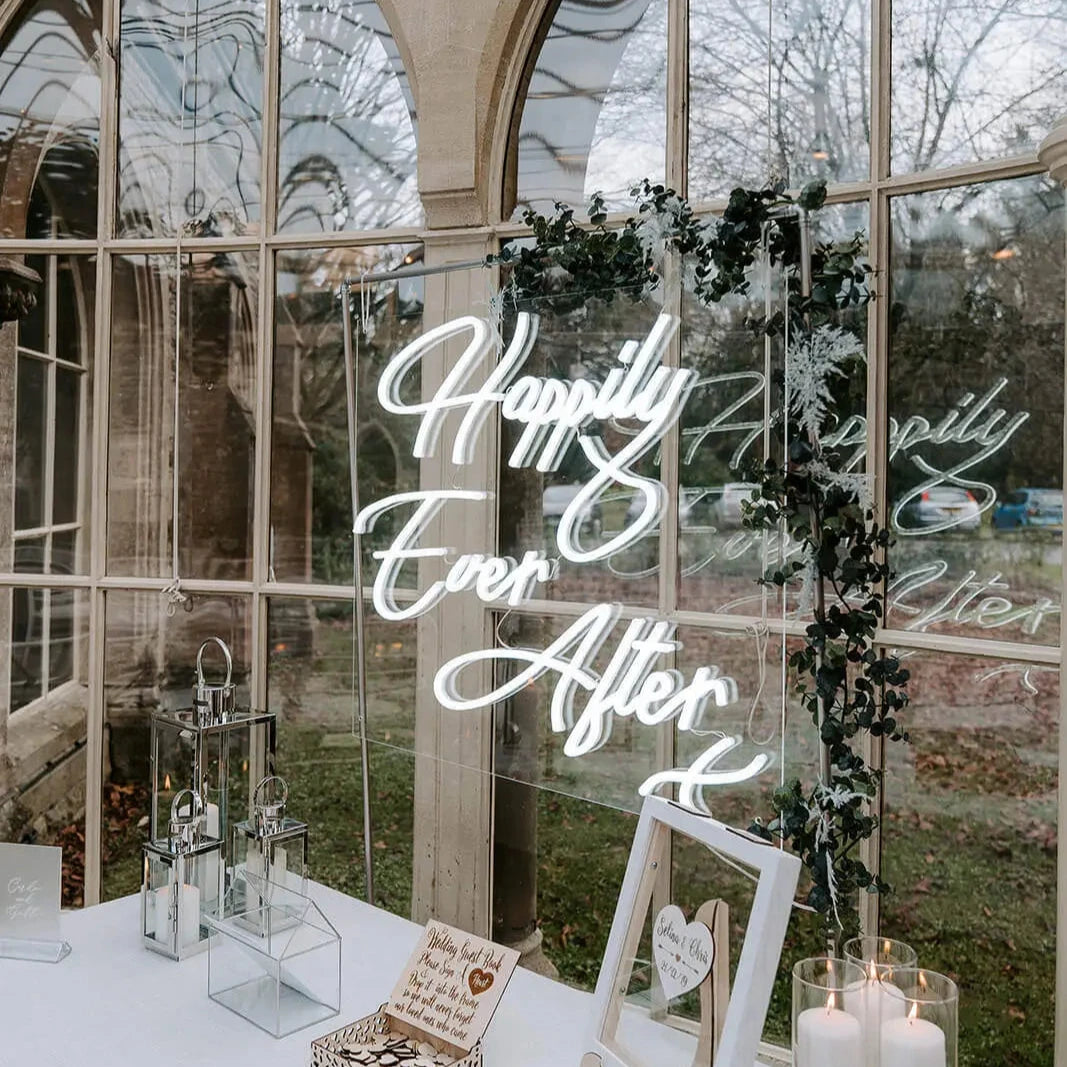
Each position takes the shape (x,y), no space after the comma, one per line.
(848,688)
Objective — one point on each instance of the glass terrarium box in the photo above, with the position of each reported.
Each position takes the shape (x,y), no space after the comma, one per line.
(276,964)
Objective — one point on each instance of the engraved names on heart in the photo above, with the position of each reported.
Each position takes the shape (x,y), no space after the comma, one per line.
(683,953)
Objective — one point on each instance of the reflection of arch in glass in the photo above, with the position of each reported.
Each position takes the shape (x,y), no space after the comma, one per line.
(50,93)
(346,154)
(596,102)
(191,114)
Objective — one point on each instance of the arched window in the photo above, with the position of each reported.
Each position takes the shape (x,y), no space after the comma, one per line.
(923,118)
(173,451)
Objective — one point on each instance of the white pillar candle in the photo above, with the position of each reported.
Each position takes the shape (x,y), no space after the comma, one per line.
(164,919)
(828,1038)
(872,1004)
(912,1042)
(213,888)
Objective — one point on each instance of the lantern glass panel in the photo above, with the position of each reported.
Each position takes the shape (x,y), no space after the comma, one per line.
(177,890)
(220,761)
(278,858)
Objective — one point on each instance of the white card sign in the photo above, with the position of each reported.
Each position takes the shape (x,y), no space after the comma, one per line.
(30,879)
(683,953)
(452,985)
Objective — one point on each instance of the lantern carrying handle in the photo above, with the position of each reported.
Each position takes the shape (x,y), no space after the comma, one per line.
(257,803)
(200,660)
(196,805)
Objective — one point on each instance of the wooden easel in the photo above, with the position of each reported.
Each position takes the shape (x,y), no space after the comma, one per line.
(715,989)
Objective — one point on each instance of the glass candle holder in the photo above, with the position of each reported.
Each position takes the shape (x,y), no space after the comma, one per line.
(878,956)
(825,1032)
(920,1018)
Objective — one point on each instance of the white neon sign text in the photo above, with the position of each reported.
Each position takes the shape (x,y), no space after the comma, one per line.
(552,413)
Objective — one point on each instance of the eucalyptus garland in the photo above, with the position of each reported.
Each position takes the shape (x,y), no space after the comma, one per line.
(849,689)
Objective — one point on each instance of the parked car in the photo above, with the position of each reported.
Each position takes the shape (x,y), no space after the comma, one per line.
(692,507)
(555,500)
(726,512)
(1029,508)
(948,506)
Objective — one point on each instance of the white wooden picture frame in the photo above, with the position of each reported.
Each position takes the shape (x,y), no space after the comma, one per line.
(777,873)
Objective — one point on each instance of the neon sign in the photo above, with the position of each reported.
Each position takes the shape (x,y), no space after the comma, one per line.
(552,412)
(553,415)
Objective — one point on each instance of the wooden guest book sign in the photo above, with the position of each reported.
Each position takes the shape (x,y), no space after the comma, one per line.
(451,987)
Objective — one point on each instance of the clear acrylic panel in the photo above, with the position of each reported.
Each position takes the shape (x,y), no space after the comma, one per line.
(575,343)
(346,153)
(969,843)
(777,92)
(311,689)
(213,365)
(309,440)
(595,111)
(976,413)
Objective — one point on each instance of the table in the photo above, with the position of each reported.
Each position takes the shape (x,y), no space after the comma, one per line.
(112,1003)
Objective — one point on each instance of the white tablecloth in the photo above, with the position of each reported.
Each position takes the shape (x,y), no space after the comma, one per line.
(112,1003)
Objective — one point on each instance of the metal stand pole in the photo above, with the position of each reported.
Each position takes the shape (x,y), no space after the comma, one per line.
(357,596)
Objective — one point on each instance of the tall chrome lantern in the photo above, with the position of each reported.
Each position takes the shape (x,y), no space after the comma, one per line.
(180,881)
(214,748)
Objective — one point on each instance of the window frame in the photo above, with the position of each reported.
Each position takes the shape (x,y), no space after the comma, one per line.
(444,301)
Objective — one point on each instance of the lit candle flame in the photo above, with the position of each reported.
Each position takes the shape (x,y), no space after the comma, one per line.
(831,1002)
(922,981)
(885,947)
(914,1013)
(166,781)
(872,974)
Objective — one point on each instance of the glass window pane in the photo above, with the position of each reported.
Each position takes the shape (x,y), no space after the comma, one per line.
(976,410)
(190,117)
(30,438)
(74,309)
(969,845)
(216,378)
(150,663)
(42,749)
(596,108)
(65,462)
(311,507)
(65,549)
(49,129)
(33,329)
(346,154)
(28,678)
(815,66)
(974,80)
(61,647)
